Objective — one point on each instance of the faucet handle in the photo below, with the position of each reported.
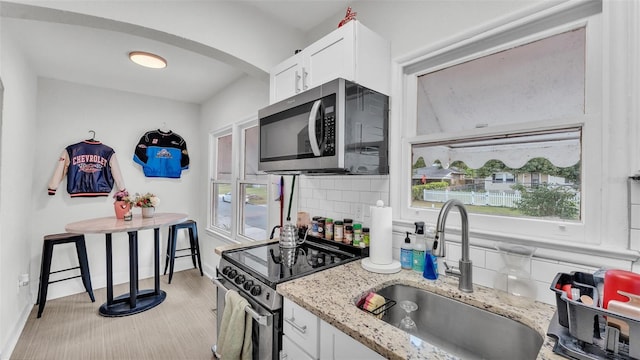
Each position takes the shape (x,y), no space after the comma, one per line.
(452,270)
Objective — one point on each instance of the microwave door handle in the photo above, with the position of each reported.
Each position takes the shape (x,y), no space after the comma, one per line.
(313,141)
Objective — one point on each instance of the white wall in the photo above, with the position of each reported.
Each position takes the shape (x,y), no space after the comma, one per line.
(66,113)
(18,149)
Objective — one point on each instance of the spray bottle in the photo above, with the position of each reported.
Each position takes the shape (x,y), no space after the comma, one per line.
(419,248)
(406,253)
(430,261)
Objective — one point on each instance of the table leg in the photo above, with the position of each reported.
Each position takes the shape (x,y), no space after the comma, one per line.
(133,268)
(109,269)
(136,300)
(156,254)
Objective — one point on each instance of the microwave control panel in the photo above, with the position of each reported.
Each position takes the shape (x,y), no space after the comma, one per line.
(329,141)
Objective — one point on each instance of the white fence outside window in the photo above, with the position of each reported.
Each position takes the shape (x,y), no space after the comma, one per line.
(503,199)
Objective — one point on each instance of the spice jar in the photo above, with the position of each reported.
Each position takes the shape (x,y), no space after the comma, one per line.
(365,236)
(321,222)
(357,234)
(348,234)
(338,230)
(328,228)
(348,222)
(314,225)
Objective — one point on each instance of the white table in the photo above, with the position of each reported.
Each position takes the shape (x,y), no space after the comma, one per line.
(136,300)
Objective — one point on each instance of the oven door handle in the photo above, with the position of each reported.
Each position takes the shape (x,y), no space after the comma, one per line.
(262,320)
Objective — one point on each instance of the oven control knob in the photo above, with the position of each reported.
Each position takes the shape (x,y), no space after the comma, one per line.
(255,290)
(240,279)
(248,285)
(226,269)
(232,273)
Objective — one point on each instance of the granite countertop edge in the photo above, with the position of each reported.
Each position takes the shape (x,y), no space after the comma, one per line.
(332,294)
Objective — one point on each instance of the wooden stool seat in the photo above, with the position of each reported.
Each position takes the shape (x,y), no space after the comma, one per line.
(45,268)
(194,248)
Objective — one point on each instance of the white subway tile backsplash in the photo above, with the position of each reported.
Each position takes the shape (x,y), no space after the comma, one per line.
(329,184)
(477,257)
(482,276)
(362,185)
(493,260)
(546,270)
(545,294)
(335,195)
(343,207)
(343,184)
(379,185)
(319,194)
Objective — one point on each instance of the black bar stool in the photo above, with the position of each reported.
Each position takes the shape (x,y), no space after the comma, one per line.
(45,268)
(194,248)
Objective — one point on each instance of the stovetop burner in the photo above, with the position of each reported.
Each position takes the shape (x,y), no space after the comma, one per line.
(272,264)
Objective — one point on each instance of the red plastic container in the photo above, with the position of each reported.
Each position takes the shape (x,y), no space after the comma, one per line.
(615,280)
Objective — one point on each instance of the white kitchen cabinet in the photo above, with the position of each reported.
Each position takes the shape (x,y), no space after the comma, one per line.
(291,351)
(336,345)
(301,327)
(308,337)
(352,52)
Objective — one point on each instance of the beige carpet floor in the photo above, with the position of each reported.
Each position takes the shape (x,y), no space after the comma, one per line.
(182,327)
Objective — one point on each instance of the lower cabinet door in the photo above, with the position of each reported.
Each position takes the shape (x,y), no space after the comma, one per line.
(336,345)
(291,351)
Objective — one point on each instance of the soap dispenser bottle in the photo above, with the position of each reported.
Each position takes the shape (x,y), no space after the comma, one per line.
(419,248)
(406,253)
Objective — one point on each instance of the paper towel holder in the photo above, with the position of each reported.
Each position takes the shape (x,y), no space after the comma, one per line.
(387,268)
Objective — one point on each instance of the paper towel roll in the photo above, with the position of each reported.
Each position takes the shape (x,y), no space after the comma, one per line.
(380,235)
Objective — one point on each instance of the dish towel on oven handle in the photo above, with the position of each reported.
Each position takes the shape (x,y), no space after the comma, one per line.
(234,340)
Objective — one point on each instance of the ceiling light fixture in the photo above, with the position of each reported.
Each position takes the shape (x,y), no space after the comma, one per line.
(148,59)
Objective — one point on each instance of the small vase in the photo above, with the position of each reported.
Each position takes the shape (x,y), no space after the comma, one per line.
(121,208)
(148,212)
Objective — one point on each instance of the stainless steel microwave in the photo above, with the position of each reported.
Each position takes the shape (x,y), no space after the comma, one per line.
(339,127)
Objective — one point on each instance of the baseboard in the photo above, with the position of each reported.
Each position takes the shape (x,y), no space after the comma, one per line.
(14,335)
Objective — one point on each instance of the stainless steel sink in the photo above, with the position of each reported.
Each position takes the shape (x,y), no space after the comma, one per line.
(463,330)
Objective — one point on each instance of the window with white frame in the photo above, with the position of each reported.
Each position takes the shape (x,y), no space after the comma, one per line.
(504,129)
(239,194)
(253,189)
(221,182)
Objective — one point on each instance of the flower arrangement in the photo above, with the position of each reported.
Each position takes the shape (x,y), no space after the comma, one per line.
(122,195)
(146,201)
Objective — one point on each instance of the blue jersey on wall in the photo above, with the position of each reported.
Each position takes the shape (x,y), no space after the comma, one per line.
(162,154)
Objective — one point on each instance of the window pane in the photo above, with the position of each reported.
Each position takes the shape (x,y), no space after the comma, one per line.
(541,80)
(223,163)
(254,211)
(525,175)
(221,206)
(251,153)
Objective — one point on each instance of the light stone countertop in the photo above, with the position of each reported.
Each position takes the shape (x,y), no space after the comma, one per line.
(331,295)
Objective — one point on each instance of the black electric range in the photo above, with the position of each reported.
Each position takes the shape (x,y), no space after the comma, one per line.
(257,269)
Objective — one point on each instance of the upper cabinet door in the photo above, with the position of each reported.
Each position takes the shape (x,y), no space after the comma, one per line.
(286,79)
(352,52)
(331,57)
